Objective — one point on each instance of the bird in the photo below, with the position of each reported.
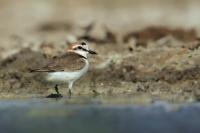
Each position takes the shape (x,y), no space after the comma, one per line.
(68,67)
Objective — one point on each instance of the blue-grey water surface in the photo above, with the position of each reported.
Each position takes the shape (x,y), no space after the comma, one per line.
(59,116)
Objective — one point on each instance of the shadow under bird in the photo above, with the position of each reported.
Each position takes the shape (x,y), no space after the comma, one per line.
(68,67)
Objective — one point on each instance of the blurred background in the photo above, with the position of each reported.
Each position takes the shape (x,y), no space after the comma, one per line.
(24,17)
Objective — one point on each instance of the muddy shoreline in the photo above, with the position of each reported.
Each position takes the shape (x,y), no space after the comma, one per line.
(161,67)
(146,51)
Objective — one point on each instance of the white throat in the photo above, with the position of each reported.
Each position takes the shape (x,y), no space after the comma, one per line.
(82,53)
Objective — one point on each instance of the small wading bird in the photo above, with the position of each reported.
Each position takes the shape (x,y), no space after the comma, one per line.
(68,67)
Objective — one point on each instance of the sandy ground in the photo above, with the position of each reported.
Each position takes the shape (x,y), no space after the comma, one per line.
(148,50)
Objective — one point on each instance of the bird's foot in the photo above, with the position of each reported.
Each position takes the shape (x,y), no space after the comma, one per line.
(53,95)
(96,93)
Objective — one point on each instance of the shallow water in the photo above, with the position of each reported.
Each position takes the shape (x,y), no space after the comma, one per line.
(90,115)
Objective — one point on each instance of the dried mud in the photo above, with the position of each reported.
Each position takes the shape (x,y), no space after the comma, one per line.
(140,55)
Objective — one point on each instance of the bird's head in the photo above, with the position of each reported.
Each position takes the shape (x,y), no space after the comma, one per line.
(81,48)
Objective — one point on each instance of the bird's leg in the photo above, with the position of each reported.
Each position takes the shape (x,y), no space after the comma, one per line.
(57,95)
(70,88)
(56,89)
(70,92)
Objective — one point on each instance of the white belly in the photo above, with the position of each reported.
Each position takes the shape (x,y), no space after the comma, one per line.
(67,76)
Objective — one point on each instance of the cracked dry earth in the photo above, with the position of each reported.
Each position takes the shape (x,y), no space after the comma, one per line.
(148,64)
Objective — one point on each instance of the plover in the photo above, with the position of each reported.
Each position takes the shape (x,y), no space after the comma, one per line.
(68,67)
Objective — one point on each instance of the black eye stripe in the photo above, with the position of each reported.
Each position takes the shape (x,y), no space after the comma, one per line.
(79,47)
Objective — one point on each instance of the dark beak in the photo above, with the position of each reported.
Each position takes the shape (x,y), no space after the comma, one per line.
(92,52)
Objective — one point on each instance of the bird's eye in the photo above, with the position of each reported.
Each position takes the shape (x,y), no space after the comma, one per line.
(79,47)
(83,43)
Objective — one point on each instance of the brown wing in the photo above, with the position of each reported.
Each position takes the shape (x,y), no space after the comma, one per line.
(68,62)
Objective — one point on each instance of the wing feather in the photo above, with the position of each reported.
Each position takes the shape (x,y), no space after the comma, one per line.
(67,62)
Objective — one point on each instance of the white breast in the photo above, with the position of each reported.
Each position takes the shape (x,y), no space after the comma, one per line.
(68,76)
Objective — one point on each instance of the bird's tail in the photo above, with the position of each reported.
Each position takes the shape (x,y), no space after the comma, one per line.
(36,70)
(32,70)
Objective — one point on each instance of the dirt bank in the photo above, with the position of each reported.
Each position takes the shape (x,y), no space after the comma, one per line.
(147,50)
(162,65)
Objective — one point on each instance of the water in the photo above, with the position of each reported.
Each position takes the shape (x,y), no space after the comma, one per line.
(92,116)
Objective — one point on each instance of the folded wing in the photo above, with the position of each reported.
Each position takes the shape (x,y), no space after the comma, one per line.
(67,62)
